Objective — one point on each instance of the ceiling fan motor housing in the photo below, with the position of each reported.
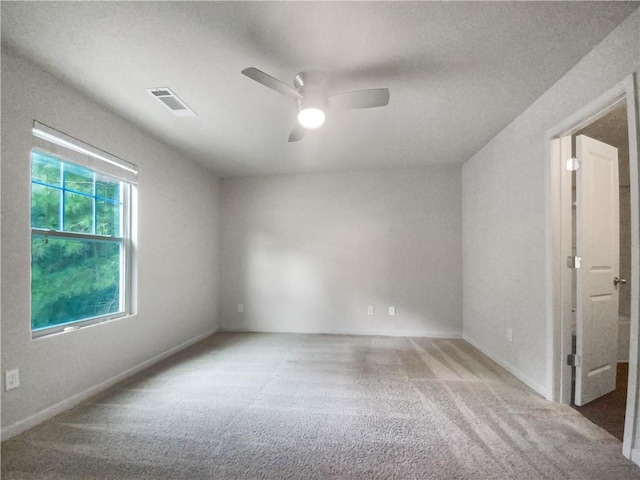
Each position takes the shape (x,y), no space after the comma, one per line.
(312,85)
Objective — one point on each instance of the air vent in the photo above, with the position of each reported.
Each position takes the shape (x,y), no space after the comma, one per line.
(161,93)
(171,101)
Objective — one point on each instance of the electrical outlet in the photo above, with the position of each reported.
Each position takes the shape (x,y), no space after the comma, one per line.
(509,335)
(11,379)
(240,308)
(392,311)
(370,310)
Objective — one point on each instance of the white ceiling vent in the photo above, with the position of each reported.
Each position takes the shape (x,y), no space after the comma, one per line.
(171,101)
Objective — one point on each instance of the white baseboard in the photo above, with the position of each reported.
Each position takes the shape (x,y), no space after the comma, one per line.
(511,369)
(635,456)
(50,412)
(382,333)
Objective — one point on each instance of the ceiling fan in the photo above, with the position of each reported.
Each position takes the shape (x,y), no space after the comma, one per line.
(311,95)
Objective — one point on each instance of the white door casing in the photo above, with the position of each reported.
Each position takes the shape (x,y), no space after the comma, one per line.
(560,284)
(597,243)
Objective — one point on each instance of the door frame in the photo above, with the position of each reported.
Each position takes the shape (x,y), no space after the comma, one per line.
(559,242)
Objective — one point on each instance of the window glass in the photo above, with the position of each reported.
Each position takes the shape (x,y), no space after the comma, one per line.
(73,280)
(106,189)
(78,248)
(78,179)
(107,218)
(45,207)
(45,169)
(78,213)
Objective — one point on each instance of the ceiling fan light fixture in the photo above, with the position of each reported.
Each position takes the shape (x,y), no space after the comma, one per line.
(312,97)
(311,117)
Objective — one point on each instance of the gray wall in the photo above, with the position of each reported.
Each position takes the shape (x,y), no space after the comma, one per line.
(309,253)
(177,244)
(504,205)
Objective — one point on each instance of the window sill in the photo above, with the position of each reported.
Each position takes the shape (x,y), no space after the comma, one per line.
(75,328)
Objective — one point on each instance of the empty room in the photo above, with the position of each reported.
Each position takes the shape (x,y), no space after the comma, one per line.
(320,240)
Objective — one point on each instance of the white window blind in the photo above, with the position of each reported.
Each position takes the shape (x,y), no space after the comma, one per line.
(57,142)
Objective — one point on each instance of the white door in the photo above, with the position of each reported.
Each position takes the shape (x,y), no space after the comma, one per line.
(597,243)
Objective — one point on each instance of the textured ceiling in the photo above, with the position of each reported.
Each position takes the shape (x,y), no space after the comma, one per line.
(458,72)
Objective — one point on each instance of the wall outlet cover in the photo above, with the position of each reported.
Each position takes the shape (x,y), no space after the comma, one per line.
(392,311)
(370,310)
(11,379)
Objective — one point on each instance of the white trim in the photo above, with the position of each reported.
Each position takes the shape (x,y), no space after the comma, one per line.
(631,415)
(74,326)
(537,387)
(50,412)
(42,232)
(634,456)
(558,327)
(560,213)
(127,193)
(380,333)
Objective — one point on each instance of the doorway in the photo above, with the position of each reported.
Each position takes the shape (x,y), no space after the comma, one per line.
(606,405)
(566,340)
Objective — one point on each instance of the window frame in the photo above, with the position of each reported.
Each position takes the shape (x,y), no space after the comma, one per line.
(72,151)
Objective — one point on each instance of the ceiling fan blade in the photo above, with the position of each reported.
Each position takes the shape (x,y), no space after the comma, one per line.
(376,97)
(271,82)
(297,133)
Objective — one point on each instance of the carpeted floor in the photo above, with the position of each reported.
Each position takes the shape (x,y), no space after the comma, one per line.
(286,406)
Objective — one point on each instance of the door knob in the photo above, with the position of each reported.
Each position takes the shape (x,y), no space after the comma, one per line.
(620,281)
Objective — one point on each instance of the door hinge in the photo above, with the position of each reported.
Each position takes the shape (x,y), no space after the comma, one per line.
(574,261)
(574,360)
(573,164)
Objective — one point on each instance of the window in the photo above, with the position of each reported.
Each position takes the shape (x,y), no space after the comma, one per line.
(81,247)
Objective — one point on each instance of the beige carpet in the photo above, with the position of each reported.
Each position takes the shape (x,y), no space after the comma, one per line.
(284,406)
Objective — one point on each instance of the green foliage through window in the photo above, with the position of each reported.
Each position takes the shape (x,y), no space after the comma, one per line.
(74,278)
